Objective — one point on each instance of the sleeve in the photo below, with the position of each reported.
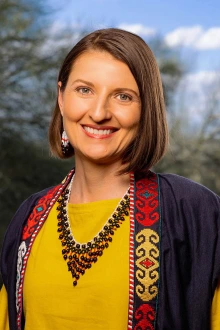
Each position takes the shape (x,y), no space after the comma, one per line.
(4,323)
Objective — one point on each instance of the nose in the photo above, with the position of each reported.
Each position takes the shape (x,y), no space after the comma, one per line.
(100,109)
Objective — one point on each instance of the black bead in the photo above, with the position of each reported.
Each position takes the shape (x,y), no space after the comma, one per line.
(74,283)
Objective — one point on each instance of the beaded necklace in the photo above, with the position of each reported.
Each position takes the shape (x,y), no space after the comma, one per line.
(81,256)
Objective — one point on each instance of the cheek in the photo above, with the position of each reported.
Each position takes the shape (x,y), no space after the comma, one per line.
(130,119)
(74,109)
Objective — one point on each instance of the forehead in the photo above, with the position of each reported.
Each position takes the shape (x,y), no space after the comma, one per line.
(101,65)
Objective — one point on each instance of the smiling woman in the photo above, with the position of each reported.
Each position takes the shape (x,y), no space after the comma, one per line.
(114,246)
(101,108)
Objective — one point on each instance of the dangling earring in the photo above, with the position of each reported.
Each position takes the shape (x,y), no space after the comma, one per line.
(65,143)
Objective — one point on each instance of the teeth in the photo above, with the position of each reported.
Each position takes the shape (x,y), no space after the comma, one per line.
(97,131)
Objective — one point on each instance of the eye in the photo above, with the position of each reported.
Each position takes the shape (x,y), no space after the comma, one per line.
(124,97)
(83,90)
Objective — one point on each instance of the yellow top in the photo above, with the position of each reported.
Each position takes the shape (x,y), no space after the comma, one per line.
(100,299)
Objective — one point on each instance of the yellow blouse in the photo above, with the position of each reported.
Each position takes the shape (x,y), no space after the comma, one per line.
(100,299)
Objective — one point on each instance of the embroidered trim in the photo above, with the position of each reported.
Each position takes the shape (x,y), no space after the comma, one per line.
(147,264)
(30,232)
(147,243)
(145,315)
(131,255)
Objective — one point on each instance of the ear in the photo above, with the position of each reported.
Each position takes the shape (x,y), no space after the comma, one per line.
(60,97)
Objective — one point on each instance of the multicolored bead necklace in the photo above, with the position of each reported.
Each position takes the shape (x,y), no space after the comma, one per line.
(81,256)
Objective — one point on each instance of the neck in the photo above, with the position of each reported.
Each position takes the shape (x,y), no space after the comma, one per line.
(94,182)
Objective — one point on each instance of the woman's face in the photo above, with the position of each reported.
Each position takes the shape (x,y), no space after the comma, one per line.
(100,107)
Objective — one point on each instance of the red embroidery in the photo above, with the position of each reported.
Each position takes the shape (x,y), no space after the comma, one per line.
(147,263)
(147,201)
(38,211)
(145,315)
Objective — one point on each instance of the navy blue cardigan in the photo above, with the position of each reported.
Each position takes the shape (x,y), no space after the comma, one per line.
(189,253)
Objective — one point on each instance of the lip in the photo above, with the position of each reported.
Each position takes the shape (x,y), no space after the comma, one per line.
(99,128)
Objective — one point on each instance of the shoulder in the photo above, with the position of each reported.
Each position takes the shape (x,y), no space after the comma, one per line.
(22,213)
(185,189)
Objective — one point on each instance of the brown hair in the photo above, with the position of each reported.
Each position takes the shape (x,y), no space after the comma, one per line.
(151,140)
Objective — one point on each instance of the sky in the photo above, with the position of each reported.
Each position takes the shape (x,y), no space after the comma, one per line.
(190,26)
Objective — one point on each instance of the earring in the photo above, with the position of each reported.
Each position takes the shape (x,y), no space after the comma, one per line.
(65,143)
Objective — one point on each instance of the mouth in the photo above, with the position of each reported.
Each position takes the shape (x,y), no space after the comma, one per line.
(104,131)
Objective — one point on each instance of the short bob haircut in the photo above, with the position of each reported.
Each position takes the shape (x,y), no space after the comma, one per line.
(151,139)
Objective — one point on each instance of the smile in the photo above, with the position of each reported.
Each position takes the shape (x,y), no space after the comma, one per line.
(96,131)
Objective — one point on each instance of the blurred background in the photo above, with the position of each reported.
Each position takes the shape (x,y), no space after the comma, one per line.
(36,35)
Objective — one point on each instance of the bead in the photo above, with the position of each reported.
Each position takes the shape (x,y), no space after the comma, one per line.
(84,255)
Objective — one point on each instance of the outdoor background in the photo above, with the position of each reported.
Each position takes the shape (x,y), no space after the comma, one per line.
(36,35)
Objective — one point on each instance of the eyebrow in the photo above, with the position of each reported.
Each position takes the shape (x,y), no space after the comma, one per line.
(92,85)
(83,81)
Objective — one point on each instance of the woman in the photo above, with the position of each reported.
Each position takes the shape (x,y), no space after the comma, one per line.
(114,246)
